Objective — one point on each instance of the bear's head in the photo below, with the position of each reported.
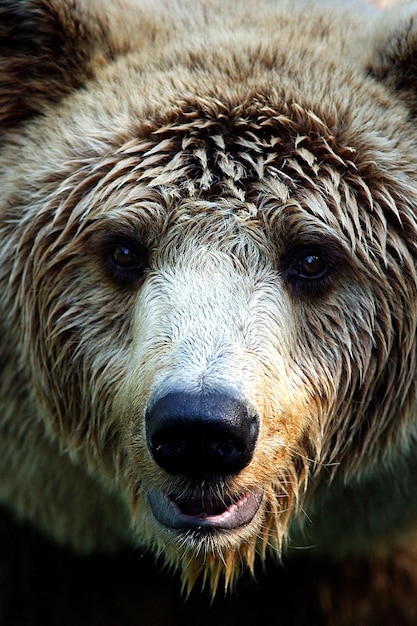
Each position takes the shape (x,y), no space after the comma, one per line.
(207,269)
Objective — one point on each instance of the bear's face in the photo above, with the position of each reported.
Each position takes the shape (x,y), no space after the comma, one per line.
(211,288)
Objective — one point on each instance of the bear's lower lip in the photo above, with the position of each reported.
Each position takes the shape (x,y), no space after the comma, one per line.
(195,513)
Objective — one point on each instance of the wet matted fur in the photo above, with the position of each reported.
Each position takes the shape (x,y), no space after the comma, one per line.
(209,204)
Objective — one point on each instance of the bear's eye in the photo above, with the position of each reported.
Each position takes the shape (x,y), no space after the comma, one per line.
(125,261)
(307,270)
(310,266)
(124,257)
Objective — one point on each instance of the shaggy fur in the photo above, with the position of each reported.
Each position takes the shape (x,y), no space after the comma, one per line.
(254,163)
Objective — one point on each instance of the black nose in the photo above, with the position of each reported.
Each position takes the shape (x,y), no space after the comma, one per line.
(197,434)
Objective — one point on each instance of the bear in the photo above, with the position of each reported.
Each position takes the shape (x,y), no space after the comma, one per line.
(208,283)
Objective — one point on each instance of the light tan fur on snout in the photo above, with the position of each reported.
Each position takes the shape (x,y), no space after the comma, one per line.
(230,144)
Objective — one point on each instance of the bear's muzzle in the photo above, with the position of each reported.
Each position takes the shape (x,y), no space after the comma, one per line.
(202,438)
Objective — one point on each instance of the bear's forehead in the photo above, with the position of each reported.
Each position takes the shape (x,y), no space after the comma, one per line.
(262,165)
(235,157)
(273,166)
(208,148)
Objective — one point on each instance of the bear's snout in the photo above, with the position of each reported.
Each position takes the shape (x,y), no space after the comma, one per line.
(201,434)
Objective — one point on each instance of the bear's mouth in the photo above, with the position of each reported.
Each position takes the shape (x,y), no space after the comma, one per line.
(198,512)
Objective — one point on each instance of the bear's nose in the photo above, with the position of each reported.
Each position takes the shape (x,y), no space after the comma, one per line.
(200,434)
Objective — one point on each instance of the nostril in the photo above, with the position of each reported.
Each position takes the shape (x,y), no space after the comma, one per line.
(196,447)
(201,434)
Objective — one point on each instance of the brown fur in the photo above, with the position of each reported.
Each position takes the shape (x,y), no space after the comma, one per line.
(223,145)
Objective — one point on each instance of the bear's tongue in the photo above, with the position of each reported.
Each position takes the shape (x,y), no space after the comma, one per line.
(204,512)
(202,507)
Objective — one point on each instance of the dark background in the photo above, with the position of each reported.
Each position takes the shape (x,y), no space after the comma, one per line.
(42,585)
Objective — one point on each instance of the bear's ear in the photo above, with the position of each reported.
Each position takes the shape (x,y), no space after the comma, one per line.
(47,49)
(394,52)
